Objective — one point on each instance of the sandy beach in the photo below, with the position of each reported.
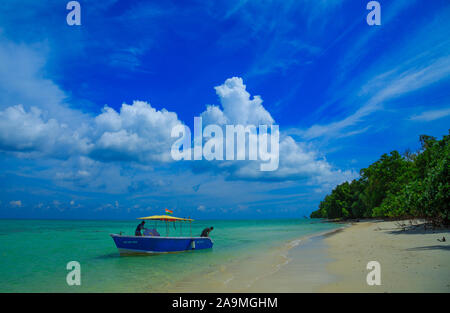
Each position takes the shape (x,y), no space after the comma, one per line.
(411,258)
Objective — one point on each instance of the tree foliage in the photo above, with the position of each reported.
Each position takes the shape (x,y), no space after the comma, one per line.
(412,185)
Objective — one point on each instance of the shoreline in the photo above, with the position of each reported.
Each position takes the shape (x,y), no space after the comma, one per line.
(304,256)
(273,270)
(411,259)
(336,261)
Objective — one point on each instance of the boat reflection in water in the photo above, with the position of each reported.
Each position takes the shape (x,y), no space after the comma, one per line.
(153,243)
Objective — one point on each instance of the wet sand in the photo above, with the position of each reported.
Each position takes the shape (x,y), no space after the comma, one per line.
(296,266)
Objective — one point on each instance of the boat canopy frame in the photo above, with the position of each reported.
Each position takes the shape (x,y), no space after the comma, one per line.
(167,219)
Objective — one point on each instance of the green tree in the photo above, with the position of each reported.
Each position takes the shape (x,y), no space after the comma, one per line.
(413,185)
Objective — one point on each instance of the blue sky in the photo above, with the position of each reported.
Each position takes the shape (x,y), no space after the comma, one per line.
(86,111)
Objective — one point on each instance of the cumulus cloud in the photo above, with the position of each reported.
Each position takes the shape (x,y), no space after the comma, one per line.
(140,133)
(34,116)
(137,133)
(22,131)
(238,107)
(296,160)
(36,120)
(213,115)
(28,131)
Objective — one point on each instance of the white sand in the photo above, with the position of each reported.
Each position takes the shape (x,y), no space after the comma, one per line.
(411,261)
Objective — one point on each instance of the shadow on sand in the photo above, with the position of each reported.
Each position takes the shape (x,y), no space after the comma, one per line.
(414,229)
(436,247)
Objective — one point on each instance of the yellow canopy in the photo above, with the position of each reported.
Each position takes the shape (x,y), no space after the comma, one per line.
(165,218)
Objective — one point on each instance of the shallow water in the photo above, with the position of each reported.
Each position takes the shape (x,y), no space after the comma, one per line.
(34,254)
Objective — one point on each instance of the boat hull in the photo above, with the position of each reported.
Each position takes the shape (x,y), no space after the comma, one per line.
(156,244)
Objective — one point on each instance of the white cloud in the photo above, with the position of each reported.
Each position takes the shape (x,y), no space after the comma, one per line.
(23,131)
(237,106)
(415,62)
(138,132)
(431,115)
(23,81)
(213,115)
(382,88)
(296,160)
(401,81)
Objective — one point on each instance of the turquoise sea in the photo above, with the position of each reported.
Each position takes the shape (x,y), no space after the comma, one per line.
(34,253)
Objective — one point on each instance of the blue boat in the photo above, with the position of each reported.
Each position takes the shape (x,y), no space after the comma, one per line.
(151,242)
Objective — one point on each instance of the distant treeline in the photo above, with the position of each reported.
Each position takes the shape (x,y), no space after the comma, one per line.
(397,186)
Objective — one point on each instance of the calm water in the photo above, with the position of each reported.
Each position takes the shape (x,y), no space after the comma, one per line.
(34,253)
